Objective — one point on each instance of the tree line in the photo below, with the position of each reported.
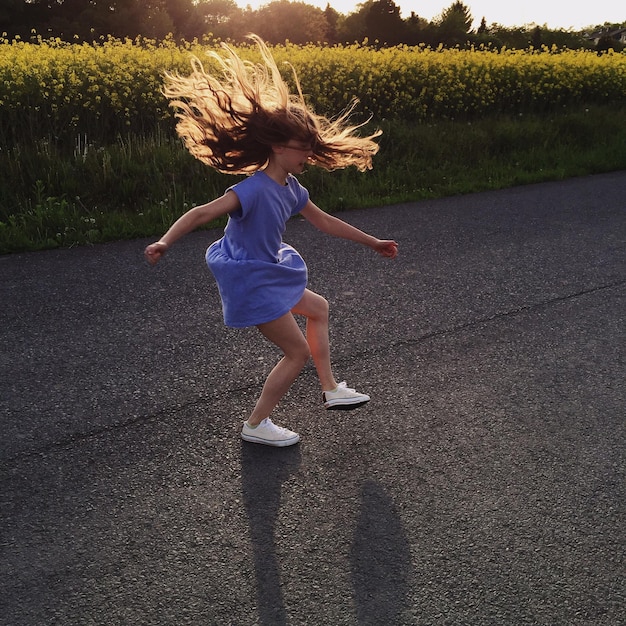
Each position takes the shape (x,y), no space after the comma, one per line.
(376,21)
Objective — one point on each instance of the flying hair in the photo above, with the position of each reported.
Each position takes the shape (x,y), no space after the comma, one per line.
(230,122)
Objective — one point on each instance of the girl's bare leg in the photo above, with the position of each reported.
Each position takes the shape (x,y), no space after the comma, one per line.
(315,308)
(286,334)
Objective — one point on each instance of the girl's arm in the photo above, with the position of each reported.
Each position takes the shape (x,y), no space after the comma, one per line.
(188,222)
(338,228)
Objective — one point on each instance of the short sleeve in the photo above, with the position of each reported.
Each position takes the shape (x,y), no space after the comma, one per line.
(301,194)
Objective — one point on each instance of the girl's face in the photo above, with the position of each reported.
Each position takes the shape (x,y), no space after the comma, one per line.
(294,155)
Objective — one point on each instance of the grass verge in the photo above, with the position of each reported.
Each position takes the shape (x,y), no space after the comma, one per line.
(139,185)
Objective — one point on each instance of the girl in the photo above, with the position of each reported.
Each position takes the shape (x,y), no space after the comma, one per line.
(247,122)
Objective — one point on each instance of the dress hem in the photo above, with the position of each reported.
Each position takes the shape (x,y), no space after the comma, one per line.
(268,318)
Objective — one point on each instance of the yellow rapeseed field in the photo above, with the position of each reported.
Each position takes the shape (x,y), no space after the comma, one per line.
(50,89)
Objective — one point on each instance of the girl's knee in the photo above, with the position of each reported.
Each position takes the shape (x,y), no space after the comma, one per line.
(306,357)
(322,309)
(325,306)
(313,307)
(300,354)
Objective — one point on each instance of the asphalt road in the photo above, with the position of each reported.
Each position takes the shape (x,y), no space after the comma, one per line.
(483,484)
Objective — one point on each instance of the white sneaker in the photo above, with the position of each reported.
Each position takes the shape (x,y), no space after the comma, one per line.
(344,398)
(269,434)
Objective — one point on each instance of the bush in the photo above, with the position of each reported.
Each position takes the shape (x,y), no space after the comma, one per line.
(56,91)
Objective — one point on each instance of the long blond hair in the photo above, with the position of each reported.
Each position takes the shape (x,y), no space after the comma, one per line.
(231,122)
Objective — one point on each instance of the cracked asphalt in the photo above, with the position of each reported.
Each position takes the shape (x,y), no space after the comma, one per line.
(483,484)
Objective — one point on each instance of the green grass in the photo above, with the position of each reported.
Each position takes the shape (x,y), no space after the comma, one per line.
(139,185)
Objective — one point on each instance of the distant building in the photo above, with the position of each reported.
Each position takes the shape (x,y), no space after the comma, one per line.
(618,34)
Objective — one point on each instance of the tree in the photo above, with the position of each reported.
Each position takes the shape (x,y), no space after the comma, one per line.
(156,22)
(219,17)
(417,30)
(297,22)
(515,38)
(13,20)
(87,20)
(182,13)
(383,22)
(484,37)
(332,19)
(9,8)
(353,27)
(564,39)
(455,24)
(536,40)
(378,21)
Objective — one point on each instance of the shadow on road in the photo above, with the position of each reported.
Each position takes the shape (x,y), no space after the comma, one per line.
(380,554)
(380,559)
(263,471)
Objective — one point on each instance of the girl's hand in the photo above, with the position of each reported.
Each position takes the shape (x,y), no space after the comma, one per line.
(155,251)
(387,248)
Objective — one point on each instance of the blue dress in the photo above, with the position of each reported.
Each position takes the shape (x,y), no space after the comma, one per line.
(259,277)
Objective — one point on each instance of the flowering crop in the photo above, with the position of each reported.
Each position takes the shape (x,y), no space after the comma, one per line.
(55,91)
(420,83)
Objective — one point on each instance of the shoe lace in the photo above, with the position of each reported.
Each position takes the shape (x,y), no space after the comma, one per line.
(344,385)
(275,427)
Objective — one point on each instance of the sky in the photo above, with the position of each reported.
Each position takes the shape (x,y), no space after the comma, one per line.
(574,14)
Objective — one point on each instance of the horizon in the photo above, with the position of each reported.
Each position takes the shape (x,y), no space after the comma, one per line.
(558,14)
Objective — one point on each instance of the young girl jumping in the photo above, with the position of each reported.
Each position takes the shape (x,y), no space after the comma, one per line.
(246,122)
